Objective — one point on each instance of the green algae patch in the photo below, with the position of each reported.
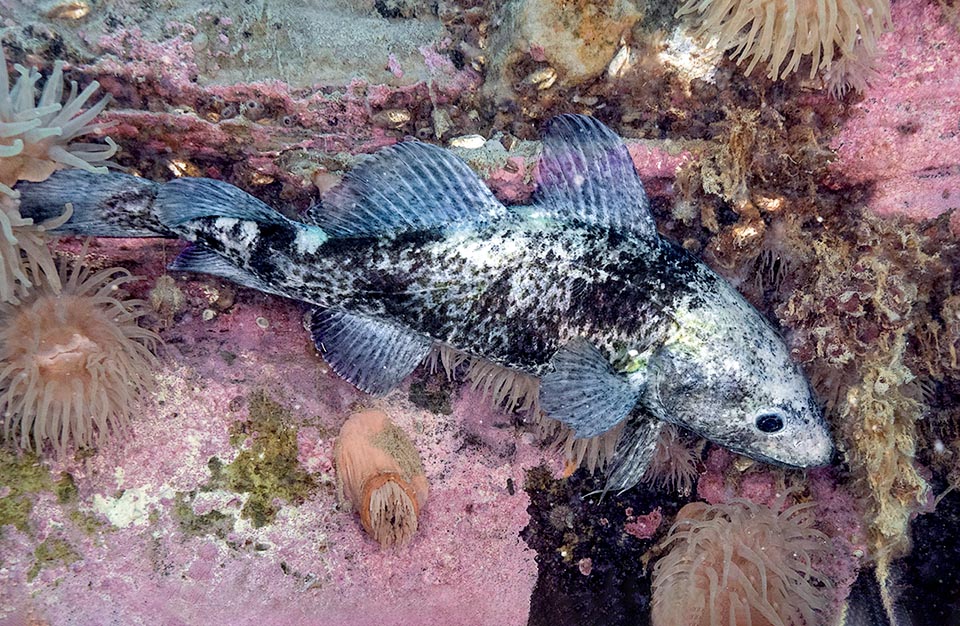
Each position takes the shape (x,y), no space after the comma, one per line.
(268,469)
(213,523)
(89,524)
(66,489)
(21,476)
(52,552)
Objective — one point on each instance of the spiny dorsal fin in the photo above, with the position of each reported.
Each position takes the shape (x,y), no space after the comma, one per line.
(582,390)
(372,354)
(407,186)
(585,172)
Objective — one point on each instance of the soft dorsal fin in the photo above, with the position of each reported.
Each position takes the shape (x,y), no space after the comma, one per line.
(585,172)
(374,355)
(582,390)
(407,186)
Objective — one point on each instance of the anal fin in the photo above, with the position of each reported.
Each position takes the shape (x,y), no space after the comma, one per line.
(196,258)
(374,355)
(584,392)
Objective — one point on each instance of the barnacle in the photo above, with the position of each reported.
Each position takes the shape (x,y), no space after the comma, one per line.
(380,473)
(741,563)
(784,32)
(36,134)
(73,363)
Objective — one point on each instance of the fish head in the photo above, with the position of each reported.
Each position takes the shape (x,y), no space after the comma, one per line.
(731,380)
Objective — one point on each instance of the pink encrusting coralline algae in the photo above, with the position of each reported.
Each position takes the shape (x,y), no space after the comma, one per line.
(192,518)
(148,534)
(902,138)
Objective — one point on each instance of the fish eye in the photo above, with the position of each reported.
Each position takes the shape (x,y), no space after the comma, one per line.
(769,423)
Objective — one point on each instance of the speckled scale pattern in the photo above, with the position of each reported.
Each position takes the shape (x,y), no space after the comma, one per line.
(512,291)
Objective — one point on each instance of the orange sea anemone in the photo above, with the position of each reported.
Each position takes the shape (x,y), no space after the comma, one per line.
(36,134)
(380,473)
(783,32)
(741,563)
(73,364)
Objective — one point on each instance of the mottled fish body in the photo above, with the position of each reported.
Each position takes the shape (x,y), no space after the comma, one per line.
(578,289)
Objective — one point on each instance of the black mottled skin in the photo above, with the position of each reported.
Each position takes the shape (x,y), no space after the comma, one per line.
(546,283)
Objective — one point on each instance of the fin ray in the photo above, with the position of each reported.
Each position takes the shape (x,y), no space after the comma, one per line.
(584,392)
(634,453)
(407,186)
(585,171)
(196,258)
(374,355)
(186,199)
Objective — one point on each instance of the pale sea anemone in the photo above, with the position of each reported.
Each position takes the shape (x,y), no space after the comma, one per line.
(73,365)
(380,473)
(781,33)
(36,134)
(673,467)
(24,255)
(741,563)
(35,140)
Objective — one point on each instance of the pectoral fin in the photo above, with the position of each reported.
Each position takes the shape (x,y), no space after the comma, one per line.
(584,392)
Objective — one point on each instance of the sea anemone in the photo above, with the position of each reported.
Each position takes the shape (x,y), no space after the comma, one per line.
(741,563)
(73,364)
(35,135)
(380,473)
(771,30)
(673,467)
(24,255)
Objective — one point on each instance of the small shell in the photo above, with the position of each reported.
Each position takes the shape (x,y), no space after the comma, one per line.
(542,78)
(69,10)
(468,142)
(620,63)
(392,118)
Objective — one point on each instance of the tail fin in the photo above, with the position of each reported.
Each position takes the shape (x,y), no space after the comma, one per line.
(104,205)
(120,205)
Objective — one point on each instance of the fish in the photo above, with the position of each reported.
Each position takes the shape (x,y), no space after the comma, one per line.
(623,327)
